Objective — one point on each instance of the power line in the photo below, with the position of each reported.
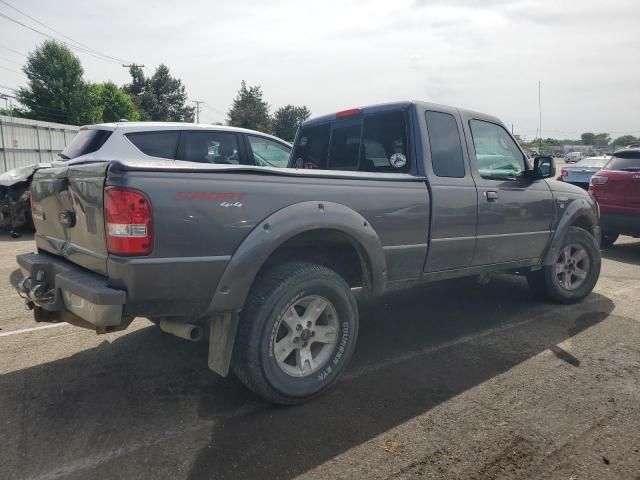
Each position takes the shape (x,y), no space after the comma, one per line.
(14,51)
(206,105)
(10,61)
(80,49)
(61,34)
(11,70)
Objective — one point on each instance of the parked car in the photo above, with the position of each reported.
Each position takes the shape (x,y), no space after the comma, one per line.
(146,141)
(266,260)
(580,173)
(617,189)
(573,157)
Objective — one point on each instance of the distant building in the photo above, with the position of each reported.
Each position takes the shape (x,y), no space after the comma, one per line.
(578,148)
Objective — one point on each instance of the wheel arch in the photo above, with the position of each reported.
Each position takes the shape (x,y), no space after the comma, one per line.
(325,220)
(580,213)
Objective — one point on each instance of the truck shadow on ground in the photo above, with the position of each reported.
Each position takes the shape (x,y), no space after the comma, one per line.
(628,252)
(149,399)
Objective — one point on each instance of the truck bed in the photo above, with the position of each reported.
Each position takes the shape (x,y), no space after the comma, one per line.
(202,213)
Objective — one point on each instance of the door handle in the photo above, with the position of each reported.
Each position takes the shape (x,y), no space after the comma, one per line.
(491,196)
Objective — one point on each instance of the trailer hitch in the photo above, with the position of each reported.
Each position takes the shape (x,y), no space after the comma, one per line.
(36,292)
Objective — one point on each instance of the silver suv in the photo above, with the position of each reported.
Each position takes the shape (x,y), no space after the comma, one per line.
(177,141)
(145,141)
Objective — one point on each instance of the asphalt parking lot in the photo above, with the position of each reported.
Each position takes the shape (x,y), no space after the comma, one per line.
(453,380)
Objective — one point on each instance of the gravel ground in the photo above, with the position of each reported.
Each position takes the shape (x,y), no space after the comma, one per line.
(453,380)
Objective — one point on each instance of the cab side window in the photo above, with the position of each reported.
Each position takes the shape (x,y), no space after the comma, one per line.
(497,154)
(446,149)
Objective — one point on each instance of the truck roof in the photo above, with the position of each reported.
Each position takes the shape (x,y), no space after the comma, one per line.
(403,104)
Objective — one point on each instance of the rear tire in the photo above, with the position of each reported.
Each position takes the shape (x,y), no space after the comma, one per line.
(574,273)
(608,239)
(307,310)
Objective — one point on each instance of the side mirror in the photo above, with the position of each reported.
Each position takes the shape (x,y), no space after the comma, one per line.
(544,167)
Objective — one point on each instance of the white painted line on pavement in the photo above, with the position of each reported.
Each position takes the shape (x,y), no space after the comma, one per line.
(32,329)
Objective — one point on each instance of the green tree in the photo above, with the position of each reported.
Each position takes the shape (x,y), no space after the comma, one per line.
(111,103)
(588,138)
(249,110)
(602,139)
(286,120)
(624,140)
(55,90)
(160,97)
(140,93)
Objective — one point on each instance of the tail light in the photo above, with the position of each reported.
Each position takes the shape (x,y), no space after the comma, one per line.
(564,172)
(599,180)
(128,221)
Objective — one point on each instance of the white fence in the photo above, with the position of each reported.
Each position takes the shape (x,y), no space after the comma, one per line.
(24,142)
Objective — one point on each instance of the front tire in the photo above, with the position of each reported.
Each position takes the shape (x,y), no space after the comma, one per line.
(297,332)
(574,273)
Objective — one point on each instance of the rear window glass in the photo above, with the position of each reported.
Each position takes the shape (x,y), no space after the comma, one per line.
(446,148)
(312,147)
(85,141)
(386,143)
(345,146)
(625,161)
(375,143)
(161,144)
(592,162)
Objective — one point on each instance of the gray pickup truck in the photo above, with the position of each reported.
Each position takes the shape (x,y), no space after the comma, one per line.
(264,263)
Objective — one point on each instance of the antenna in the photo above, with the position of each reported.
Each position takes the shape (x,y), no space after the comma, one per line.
(539,119)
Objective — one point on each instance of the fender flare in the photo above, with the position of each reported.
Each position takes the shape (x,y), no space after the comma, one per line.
(240,273)
(578,208)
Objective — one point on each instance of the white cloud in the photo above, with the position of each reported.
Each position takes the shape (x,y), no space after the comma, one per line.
(483,55)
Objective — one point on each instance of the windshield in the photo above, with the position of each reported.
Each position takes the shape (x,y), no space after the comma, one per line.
(85,141)
(626,160)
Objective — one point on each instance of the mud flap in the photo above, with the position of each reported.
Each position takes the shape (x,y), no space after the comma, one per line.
(222,335)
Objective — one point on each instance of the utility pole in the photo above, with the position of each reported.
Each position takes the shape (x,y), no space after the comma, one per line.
(132,65)
(198,110)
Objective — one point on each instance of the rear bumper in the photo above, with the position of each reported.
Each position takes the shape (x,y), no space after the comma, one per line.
(58,288)
(626,224)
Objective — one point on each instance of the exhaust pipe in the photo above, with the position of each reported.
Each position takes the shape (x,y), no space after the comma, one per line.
(188,331)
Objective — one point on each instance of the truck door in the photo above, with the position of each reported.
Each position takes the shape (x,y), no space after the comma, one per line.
(454,201)
(514,213)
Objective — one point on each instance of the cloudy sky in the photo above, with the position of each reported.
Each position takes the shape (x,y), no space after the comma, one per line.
(486,55)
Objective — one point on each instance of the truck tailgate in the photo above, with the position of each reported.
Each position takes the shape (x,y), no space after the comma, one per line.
(67,212)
